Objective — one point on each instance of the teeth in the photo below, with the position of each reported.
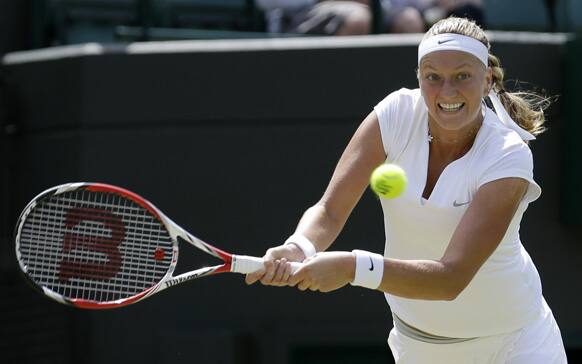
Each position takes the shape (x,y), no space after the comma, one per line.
(451,107)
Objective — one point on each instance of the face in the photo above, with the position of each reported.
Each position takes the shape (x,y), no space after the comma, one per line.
(453,84)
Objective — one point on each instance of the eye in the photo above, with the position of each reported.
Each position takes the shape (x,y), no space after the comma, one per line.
(432,77)
(463,76)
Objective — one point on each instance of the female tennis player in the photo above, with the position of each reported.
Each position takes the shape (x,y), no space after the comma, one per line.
(460,285)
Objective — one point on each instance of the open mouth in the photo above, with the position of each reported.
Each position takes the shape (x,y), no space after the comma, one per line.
(451,107)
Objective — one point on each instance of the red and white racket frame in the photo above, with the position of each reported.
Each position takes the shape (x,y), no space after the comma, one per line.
(232,263)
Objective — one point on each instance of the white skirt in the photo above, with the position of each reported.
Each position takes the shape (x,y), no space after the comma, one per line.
(540,342)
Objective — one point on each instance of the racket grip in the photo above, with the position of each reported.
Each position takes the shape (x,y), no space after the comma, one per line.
(246,264)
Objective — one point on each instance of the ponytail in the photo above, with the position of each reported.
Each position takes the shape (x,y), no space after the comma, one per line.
(525,108)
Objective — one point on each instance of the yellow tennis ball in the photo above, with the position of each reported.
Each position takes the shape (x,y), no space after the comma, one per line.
(388,181)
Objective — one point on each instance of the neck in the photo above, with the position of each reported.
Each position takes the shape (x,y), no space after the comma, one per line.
(453,144)
(459,138)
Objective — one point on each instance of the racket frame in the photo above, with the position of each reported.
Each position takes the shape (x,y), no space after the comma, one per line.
(232,263)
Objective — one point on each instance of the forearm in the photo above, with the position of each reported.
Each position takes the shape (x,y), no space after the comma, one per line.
(319,226)
(414,279)
(421,279)
(323,222)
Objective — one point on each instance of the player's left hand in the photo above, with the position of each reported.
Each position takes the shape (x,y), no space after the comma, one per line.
(325,272)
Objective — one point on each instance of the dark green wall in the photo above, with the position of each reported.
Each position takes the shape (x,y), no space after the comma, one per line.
(234,145)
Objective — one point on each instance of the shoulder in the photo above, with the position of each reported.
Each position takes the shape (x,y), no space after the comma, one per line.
(400,98)
(400,106)
(399,116)
(501,153)
(499,141)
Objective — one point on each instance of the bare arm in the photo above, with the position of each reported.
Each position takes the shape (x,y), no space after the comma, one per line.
(478,234)
(322,222)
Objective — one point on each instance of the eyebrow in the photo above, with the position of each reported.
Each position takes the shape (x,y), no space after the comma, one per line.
(462,65)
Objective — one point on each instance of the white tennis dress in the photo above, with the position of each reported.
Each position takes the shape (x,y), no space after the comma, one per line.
(505,295)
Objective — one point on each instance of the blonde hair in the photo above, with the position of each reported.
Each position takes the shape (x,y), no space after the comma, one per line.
(526,108)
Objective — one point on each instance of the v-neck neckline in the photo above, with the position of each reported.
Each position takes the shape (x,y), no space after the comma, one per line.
(448,167)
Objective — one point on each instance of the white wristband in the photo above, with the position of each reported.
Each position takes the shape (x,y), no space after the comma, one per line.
(302,243)
(369,269)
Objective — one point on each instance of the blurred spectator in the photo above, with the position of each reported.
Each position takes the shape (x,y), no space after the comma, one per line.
(403,16)
(349,17)
(334,17)
(353,17)
(439,9)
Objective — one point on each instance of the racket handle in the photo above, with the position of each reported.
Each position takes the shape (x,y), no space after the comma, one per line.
(246,264)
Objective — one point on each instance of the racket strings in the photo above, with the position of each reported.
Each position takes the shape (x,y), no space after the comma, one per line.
(94,246)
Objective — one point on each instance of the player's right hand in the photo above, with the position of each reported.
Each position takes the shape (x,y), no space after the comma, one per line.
(277,268)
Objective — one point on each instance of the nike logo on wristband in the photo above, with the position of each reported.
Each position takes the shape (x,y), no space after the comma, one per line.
(457,204)
(445,41)
(371,265)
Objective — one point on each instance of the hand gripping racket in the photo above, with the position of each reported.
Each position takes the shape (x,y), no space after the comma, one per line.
(98,246)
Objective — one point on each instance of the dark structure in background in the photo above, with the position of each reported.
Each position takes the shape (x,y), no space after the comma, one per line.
(233,140)
(58,22)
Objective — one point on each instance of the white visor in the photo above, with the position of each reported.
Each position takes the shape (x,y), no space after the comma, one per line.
(454,42)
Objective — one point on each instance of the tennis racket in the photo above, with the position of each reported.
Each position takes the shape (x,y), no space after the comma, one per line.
(97,246)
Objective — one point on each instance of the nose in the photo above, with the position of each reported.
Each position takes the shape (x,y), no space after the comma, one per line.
(448,88)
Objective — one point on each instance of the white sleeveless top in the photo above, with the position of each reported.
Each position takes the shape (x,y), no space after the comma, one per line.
(505,294)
